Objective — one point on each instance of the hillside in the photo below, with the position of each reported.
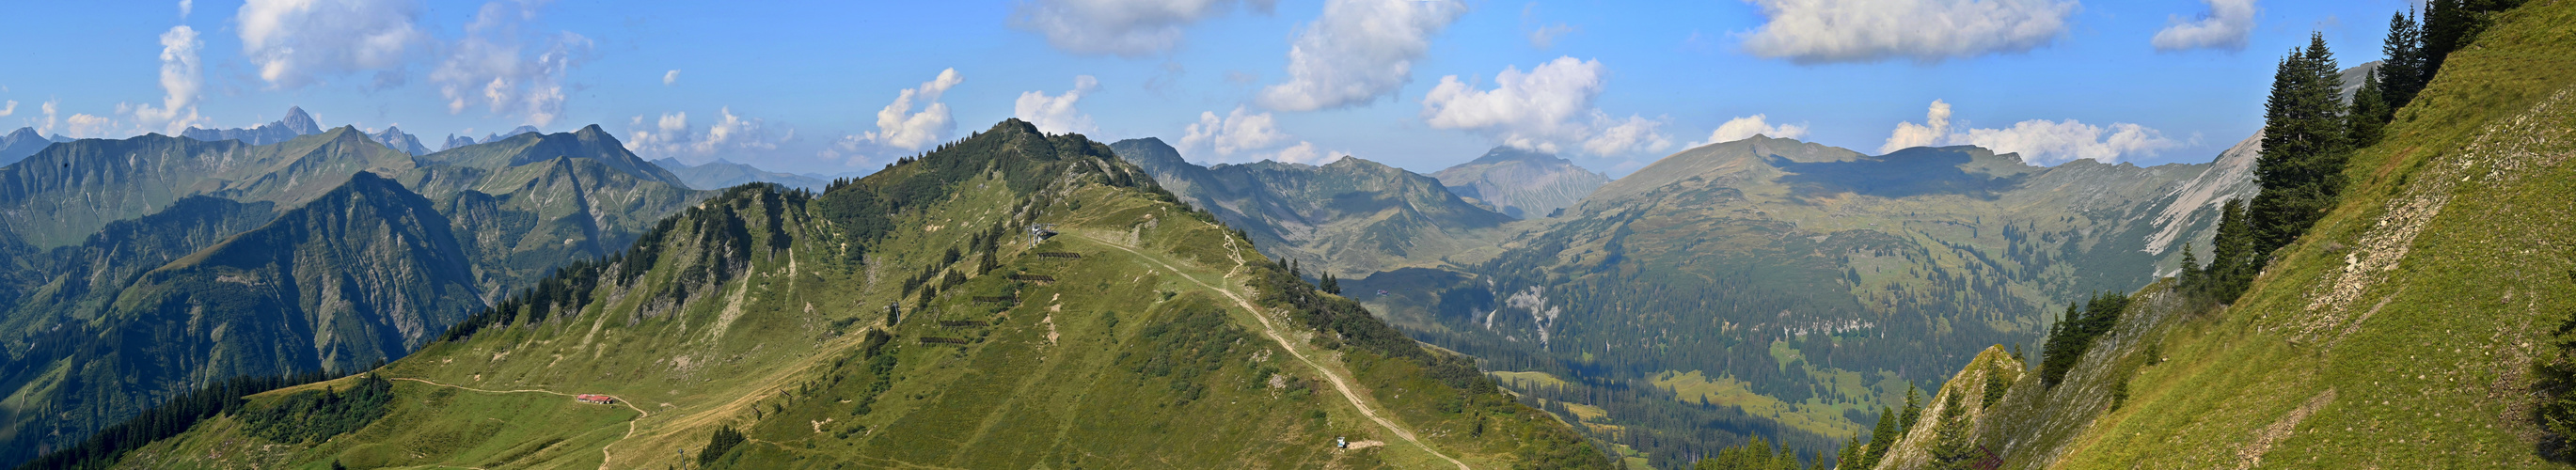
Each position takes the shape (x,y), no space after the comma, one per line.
(2415,326)
(1803,285)
(909,319)
(1521,183)
(1347,218)
(220,284)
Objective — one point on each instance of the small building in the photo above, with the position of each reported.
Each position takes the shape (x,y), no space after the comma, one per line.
(596,399)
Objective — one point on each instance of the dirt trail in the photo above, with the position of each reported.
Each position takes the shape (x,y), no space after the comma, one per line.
(604,457)
(1273,332)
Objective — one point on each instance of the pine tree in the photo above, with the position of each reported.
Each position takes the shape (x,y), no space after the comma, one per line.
(2401,73)
(1913,409)
(2370,112)
(1880,438)
(2304,146)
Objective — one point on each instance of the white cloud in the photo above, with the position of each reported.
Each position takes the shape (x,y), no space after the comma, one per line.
(2038,141)
(50,106)
(1548,109)
(11,109)
(85,126)
(1545,36)
(1633,134)
(1818,31)
(185,6)
(495,67)
(672,137)
(1236,132)
(899,127)
(1305,152)
(1749,126)
(2226,26)
(671,78)
(1359,51)
(1908,135)
(182,78)
(1131,28)
(1056,114)
(2049,143)
(295,42)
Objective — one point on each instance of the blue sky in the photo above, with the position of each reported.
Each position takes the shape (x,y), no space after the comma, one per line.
(801,86)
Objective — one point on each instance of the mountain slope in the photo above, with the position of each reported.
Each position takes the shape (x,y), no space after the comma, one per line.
(61,195)
(720,174)
(355,277)
(1522,183)
(1807,284)
(351,296)
(2414,326)
(21,143)
(395,138)
(1143,334)
(1350,217)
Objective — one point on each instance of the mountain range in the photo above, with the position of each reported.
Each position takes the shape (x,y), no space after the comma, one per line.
(1348,218)
(330,251)
(908,319)
(18,144)
(721,173)
(296,123)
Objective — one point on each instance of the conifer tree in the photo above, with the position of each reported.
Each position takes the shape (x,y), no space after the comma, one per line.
(1880,438)
(1913,409)
(2401,73)
(2370,112)
(2304,146)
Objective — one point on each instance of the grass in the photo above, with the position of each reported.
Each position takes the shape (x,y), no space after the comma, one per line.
(2398,332)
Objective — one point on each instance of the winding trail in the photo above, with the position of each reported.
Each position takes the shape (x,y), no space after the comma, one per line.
(1273,332)
(603,450)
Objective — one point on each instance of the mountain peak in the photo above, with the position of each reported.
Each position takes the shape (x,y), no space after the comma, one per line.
(299,122)
(25,133)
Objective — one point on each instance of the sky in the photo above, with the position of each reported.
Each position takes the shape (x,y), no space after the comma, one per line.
(846,87)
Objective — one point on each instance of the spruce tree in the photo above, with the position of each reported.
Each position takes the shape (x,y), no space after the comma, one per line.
(1913,409)
(2370,112)
(1880,438)
(2304,146)
(2401,73)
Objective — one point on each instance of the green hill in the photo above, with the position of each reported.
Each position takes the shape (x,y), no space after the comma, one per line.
(1348,218)
(124,179)
(2417,325)
(1521,183)
(907,319)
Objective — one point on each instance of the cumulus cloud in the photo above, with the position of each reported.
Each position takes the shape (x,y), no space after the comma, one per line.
(12,108)
(2049,143)
(85,126)
(185,6)
(671,136)
(2038,141)
(50,107)
(1305,152)
(1545,36)
(1819,31)
(1359,51)
(1548,109)
(1236,132)
(182,78)
(2226,26)
(296,42)
(1749,126)
(1936,126)
(504,65)
(899,128)
(1056,114)
(1131,28)
(671,78)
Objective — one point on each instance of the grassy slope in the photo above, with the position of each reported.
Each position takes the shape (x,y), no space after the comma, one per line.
(1052,382)
(2398,333)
